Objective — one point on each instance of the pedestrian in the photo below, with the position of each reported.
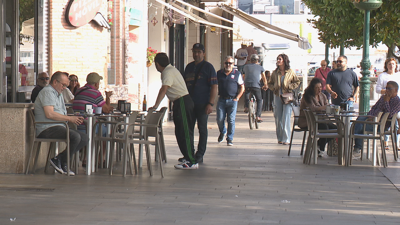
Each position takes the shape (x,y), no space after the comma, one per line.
(322,74)
(253,75)
(174,86)
(334,65)
(230,89)
(241,56)
(283,80)
(41,82)
(202,84)
(342,83)
(250,51)
(50,107)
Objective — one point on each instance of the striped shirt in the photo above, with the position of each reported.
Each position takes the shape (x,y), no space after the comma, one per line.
(87,95)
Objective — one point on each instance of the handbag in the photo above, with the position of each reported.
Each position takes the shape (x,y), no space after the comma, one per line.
(287,97)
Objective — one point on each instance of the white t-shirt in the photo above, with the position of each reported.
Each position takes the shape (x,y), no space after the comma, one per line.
(384,78)
(68,96)
(241,53)
(172,78)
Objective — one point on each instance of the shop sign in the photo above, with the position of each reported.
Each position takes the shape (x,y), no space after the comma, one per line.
(81,12)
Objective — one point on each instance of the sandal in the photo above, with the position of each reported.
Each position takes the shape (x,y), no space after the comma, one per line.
(387,148)
(280,142)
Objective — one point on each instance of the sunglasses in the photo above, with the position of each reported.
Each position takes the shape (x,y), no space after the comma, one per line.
(44,78)
(228,63)
(389,88)
(339,61)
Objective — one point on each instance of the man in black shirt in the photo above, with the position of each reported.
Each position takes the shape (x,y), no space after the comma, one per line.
(342,83)
(41,82)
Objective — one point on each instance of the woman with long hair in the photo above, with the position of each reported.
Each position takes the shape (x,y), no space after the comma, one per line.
(73,83)
(283,80)
(315,100)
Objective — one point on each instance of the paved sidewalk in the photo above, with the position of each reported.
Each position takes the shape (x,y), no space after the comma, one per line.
(252,182)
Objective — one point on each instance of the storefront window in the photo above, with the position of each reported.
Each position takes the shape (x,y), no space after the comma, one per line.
(26,74)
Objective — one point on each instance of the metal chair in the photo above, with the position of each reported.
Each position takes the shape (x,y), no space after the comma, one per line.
(38,141)
(296,114)
(393,135)
(130,137)
(368,135)
(315,134)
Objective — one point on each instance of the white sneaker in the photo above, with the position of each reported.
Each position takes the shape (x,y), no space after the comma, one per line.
(187,166)
(356,153)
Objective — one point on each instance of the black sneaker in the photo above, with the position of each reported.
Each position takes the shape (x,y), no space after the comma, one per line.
(64,168)
(56,164)
(229,143)
(182,160)
(221,137)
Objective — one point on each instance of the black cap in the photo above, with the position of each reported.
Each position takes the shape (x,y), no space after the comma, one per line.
(199,46)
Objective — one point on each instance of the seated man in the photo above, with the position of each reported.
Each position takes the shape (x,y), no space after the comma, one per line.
(389,102)
(50,107)
(90,94)
(41,82)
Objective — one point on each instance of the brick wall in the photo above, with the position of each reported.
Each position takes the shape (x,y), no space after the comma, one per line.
(76,50)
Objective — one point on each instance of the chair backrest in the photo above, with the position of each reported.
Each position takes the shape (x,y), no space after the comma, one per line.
(296,114)
(31,115)
(155,117)
(383,123)
(309,122)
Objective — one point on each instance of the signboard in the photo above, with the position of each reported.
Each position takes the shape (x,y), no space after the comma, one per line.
(271,9)
(81,12)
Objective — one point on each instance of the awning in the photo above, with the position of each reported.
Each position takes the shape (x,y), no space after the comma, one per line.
(28,27)
(191,16)
(203,11)
(302,42)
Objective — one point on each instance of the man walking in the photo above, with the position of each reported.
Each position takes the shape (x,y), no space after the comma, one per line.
(250,51)
(230,89)
(342,83)
(174,87)
(322,74)
(202,84)
(50,107)
(253,74)
(41,82)
(241,56)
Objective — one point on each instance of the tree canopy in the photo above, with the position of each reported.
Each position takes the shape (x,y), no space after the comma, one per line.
(340,22)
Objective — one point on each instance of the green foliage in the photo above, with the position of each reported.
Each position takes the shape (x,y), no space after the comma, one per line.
(340,22)
(26,10)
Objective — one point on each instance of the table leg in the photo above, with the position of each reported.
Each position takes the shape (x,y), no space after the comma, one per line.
(347,148)
(89,146)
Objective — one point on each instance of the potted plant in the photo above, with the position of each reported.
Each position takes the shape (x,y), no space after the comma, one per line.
(151,54)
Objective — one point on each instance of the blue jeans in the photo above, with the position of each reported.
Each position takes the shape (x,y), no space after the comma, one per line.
(226,108)
(103,130)
(282,114)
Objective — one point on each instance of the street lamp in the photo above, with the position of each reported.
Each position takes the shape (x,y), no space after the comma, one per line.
(365,83)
